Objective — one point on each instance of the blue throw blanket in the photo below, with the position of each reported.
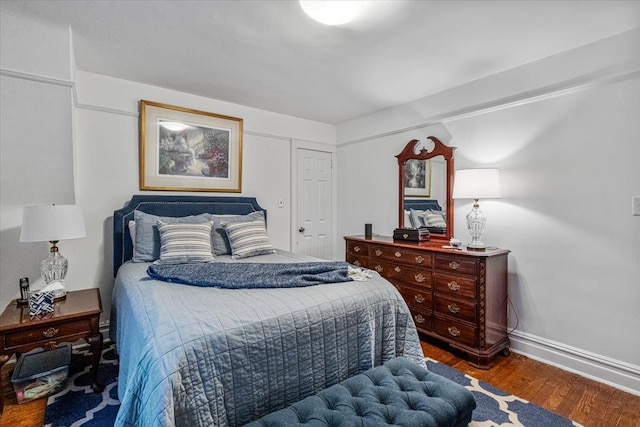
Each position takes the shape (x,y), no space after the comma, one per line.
(250,275)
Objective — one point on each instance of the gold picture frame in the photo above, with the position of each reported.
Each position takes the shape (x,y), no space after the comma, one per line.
(189,150)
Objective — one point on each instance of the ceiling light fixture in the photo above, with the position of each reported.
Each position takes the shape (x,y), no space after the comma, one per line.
(331,12)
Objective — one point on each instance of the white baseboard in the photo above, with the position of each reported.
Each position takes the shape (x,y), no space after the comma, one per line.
(615,373)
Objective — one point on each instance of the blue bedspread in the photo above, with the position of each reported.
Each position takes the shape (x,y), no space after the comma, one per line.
(201,356)
(251,275)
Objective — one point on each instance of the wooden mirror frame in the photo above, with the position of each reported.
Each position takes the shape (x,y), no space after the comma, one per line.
(439,149)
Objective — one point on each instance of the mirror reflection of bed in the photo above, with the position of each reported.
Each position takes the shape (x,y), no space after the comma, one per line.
(233,352)
(426,201)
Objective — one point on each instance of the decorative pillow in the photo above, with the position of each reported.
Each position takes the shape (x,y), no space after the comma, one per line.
(146,245)
(434,220)
(185,243)
(248,238)
(416,218)
(407,219)
(132,233)
(221,245)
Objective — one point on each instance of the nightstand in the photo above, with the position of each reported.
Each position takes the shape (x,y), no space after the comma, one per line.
(75,317)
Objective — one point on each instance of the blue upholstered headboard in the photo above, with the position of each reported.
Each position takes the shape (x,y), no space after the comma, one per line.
(173,206)
(422,204)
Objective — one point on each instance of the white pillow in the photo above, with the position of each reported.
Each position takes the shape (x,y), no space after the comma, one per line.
(132,233)
(434,220)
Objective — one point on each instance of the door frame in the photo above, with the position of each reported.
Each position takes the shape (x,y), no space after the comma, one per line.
(297,144)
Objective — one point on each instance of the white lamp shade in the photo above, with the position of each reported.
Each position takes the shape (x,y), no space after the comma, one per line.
(477,184)
(51,223)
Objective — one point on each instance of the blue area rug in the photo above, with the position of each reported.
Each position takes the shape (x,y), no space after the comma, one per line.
(77,405)
(497,407)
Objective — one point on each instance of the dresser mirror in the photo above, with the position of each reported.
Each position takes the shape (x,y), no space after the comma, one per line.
(425,187)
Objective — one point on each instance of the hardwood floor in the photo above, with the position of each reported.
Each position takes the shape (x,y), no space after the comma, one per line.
(587,402)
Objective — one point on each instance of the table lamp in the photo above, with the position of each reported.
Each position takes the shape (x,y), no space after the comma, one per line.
(476,184)
(52,223)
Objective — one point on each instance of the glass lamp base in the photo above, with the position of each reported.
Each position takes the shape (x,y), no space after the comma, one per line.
(475,222)
(54,270)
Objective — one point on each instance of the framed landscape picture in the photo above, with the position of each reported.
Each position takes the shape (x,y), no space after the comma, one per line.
(189,150)
(417,178)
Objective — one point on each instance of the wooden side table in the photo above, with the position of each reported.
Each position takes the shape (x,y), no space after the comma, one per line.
(75,317)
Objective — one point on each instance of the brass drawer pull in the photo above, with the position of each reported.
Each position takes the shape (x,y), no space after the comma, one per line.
(378,268)
(357,263)
(419,259)
(397,269)
(453,285)
(454,265)
(356,249)
(378,252)
(420,278)
(419,319)
(419,298)
(453,331)
(453,307)
(50,333)
(398,254)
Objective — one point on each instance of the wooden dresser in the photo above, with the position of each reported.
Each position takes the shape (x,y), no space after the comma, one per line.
(457,296)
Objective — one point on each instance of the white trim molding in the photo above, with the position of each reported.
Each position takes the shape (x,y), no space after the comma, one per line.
(616,373)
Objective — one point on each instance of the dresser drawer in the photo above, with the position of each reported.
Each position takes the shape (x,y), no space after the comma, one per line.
(422,319)
(406,274)
(452,264)
(455,285)
(455,331)
(358,260)
(358,248)
(405,256)
(50,332)
(415,297)
(459,309)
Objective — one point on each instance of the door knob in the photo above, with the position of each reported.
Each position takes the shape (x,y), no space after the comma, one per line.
(301,229)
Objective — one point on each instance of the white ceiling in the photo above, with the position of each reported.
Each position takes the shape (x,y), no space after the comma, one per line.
(270,55)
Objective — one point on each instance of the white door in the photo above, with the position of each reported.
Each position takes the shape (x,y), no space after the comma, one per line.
(314,197)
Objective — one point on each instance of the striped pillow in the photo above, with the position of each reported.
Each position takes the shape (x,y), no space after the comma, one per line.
(185,243)
(248,238)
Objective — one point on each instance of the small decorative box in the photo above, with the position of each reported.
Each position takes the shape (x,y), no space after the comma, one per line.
(411,234)
(41,303)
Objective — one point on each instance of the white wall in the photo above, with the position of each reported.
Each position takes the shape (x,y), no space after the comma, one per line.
(569,159)
(100,128)
(36,139)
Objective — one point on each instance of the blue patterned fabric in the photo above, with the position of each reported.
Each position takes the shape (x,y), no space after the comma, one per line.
(202,356)
(400,393)
(41,303)
(76,404)
(251,275)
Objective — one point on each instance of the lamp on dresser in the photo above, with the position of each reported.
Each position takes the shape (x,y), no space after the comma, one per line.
(476,184)
(52,223)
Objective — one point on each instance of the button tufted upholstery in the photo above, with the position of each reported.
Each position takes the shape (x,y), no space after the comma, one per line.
(398,393)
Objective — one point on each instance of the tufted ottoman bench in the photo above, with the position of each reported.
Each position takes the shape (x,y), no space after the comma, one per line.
(398,393)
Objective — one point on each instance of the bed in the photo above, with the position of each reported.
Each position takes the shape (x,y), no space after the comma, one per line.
(209,356)
(425,213)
